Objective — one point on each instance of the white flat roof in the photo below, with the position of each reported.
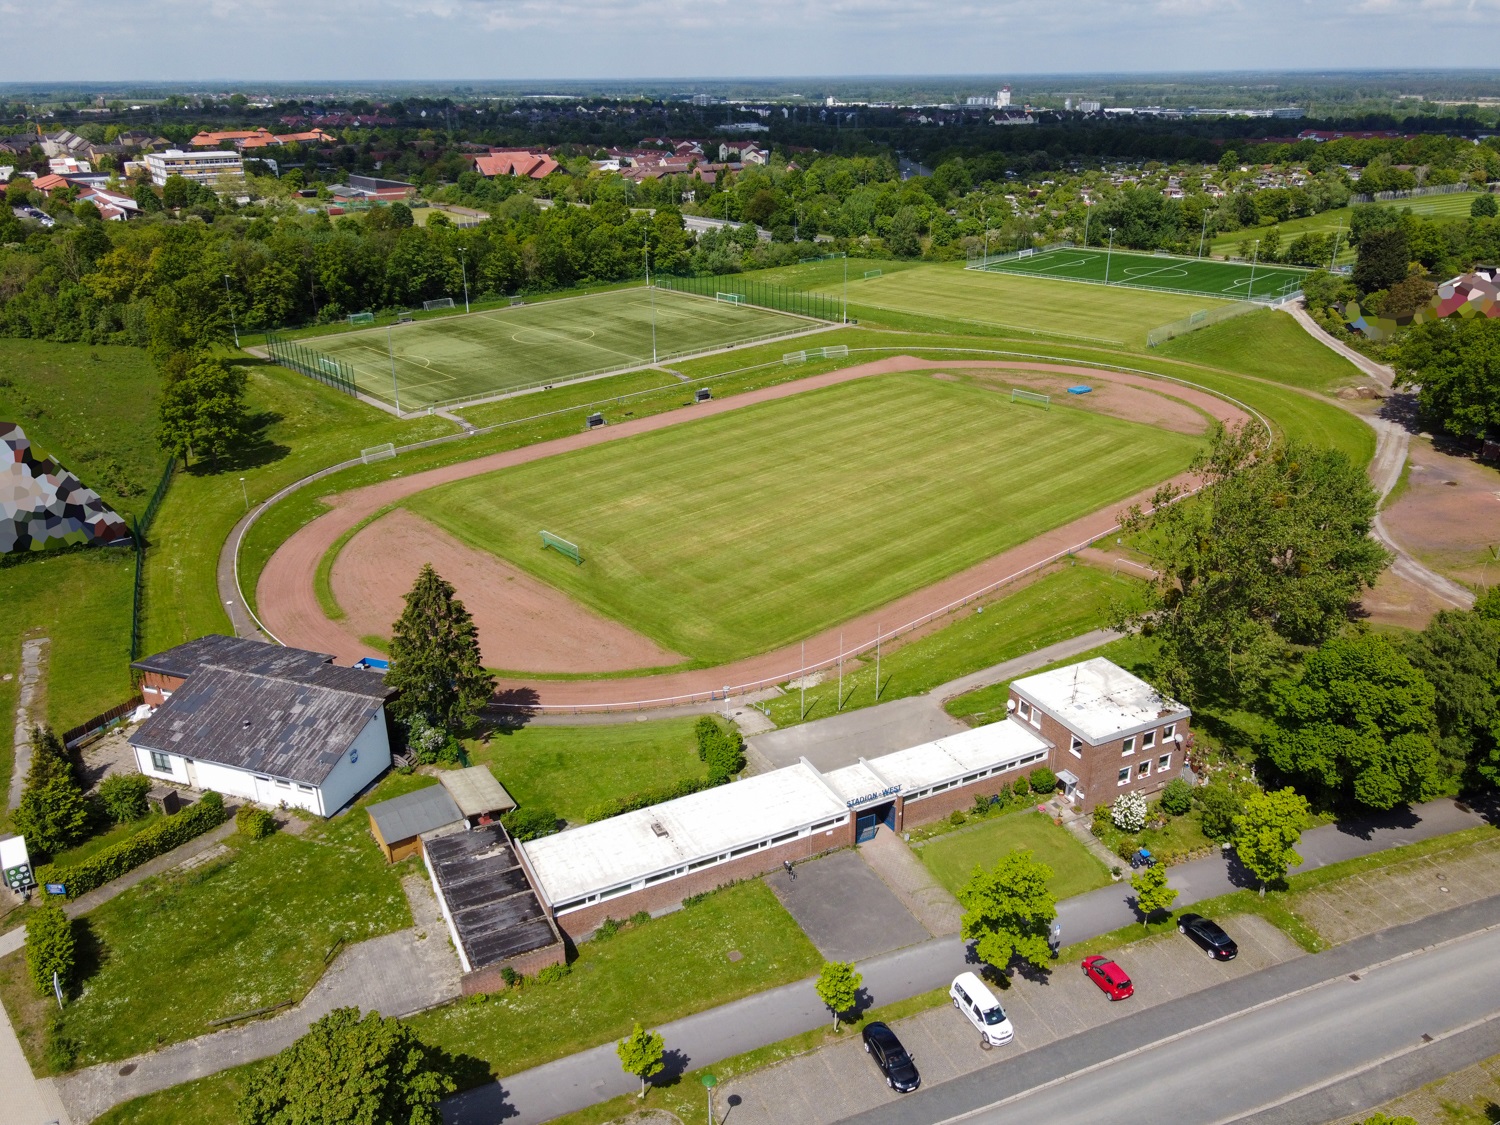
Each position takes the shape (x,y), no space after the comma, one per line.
(1098,699)
(599,857)
(856,781)
(979,749)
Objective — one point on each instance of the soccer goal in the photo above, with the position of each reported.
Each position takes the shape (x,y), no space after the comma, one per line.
(378,452)
(873,273)
(440,303)
(404,317)
(1032,398)
(731,298)
(362,318)
(1026,254)
(329,366)
(562,546)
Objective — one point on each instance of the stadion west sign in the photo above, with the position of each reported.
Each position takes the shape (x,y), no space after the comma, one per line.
(855,802)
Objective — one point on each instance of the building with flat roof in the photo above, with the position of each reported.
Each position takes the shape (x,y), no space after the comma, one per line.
(207,168)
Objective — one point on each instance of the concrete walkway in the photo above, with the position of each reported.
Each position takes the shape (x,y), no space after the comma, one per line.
(28,711)
(910,881)
(396,974)
(591,1076)
(23,1099)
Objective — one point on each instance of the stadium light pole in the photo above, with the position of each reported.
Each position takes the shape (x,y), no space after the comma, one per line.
(646,250)
(1204,236)
(464,269)
(1109,254)
(1334,261)
(1254,257)
(229,300)
(846,287)
(391,351)
(1088,213)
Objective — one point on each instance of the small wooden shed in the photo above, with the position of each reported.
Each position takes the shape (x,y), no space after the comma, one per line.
(399,824)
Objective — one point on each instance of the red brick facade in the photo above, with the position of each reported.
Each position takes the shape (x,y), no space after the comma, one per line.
(491,978)
(155,687)
(579,924)
(925,810)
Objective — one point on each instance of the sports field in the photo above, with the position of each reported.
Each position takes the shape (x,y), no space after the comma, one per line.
(733,535)
(466,357)
(1230,280)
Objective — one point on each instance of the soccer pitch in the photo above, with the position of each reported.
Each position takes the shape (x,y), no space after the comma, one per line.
(466,357)
(1199,276)
(747,530)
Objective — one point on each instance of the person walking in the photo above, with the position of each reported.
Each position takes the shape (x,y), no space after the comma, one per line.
(788,865)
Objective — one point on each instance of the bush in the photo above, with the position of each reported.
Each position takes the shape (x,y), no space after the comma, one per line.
(256,823)
(1021,788)
(607,929)
(1043,780)
(705,731)
(1177,797)
(552,974)
(170,832)
(1103,819)
(431,745)
(511,978)
(981,805)
(529,824)
(62,1048)
(1129,812)
(640,917)
(723,750)
(53,813)
(956,817)
(1218,805)
(123,796)
(50,947)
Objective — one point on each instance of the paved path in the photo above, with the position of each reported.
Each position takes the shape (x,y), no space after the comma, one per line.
(28,711)
(23,1099)
(591,1076)
(396,974)
(844,908)
(910,881)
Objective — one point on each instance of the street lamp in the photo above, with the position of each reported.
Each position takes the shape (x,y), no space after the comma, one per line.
(1204,236)
(463,268)
(1108,254)
(229,300)
(709,1082)
(245,494)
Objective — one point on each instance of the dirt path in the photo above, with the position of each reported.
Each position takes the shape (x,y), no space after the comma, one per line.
(290,607)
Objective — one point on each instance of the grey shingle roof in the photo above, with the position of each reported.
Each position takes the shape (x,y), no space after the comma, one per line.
(232,652)
(411,814)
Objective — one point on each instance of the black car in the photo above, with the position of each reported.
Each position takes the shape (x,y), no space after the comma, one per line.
(1209,936)
(899,1068)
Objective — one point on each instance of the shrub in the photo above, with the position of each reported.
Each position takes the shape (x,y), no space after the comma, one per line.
(256,823)
(1043,780)
(981,805)
(1021,788)
(705,731)
(62,1048)
(50,947)
(607,929)
(723,750)
(159,838)
(1218,805)
(1129,813)
(510,976)
(956,817)
(1103,818)
(1177,797)
(640,917)
(123,796)
(432,744)
(53,813)
(529,824)
(552,974)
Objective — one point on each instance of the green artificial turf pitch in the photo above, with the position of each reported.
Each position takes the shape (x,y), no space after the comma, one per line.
(465,357)
(1232,280)
(747,530)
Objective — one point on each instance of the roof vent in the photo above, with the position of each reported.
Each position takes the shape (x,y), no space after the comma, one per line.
(657,828)
(246,724)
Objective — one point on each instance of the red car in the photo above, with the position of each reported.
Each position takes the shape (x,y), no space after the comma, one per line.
(1110,978)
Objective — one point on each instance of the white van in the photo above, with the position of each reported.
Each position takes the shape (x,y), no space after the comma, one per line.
(972,997)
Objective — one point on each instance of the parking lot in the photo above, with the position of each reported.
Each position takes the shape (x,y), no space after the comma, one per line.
(833,1082)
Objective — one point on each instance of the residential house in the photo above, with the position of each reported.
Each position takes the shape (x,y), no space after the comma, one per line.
(504,162)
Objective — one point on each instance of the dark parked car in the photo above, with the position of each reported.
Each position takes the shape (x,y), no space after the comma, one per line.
(899,1068)
(1210,938)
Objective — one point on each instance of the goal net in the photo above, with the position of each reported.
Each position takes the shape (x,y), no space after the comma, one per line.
(562,546)
(378,452)
(873,273)
(1026,254)
(362,318)
(440,303)
(731,298)
(1033,398)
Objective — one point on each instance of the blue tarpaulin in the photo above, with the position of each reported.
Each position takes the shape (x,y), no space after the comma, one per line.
(1079,390)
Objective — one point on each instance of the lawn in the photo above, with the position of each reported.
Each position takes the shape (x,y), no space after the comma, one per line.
(656,972)
(1200,277)
(953,856)
(571,769)
(729,536)
(111,835)
(1062,604)
(457,357)
(249,930)
(1267,344)
(1332,222)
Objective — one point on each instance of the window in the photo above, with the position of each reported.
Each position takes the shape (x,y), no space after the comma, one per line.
(1076,747)
(161,762)
(1164,763)
(1167,732)
(1023,709)
(1148,740)
(1144,769)
(1128,746)
(784,838)
(1124,777)
(1036,718)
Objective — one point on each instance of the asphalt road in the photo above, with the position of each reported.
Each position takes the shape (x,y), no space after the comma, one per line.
(1252,1048)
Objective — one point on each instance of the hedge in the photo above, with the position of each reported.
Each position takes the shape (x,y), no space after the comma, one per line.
(160,838)
(645,798)
(50,947)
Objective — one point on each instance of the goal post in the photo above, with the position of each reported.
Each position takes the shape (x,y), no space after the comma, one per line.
(1032,398)
(731,298)
(1026,254)
(439,303)
(378,452)
(873,274)
(362,318)
(562,546)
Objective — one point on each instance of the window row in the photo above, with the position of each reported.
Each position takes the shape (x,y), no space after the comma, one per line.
(1148,740)
(969,779)
(1143,769)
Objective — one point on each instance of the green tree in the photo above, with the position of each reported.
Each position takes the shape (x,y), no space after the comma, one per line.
(349,1071)
(1229,161)
(1455,364)
(176,192)
(1008,910)
(123,796)
(50,947)
(1269,555)
(435,661)
(1383,259)
(838,988)
(202,410)
(1152,894)
(1484,206)
(1459,653)
(1177,797)
(1266,834)
(641,1054)
(1356,726)
(723,750)
(905,237)
(53,812)
(1218,805)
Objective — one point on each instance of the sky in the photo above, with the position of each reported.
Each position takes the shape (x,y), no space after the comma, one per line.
(289,40)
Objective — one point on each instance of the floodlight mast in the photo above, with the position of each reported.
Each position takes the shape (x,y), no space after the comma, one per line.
(1204,236)
(463,267)
(391,351)
(1254,258)
(646,250)
(1108,254)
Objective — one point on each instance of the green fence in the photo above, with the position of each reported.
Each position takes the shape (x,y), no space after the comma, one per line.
(764,294)
(142,526)
(297,356)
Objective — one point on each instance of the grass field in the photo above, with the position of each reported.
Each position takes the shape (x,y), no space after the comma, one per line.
(953,856)
(1269,344)
(729,536)
(484,353)
(570,769)
(1201,278)
(1331,222)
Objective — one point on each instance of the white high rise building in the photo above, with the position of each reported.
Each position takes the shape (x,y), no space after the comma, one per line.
(1002,99)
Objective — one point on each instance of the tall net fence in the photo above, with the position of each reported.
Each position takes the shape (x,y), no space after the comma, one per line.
(297,356)
(764,294)
(1200,319)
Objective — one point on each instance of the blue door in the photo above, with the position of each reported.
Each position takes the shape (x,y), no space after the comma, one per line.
(865,827)
(889,820)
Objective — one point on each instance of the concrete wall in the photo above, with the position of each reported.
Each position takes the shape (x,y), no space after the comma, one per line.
(659,897)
